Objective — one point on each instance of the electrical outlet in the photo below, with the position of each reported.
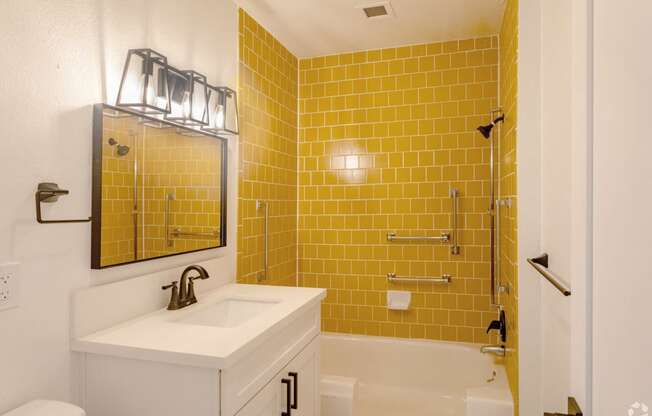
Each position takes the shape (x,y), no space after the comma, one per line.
(9,286)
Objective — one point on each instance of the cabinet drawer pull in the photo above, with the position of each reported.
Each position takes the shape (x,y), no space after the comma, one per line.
(295,376)
(288,407)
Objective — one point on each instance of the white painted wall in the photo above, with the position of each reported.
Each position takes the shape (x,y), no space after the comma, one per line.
(622,206)
(58,58)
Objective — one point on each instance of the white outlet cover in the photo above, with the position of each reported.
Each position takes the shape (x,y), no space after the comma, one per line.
(9,286)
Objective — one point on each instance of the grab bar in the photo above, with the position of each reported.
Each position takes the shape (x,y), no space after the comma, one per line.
(541,265)
(393,237)
(259,205)
(455,197)
(168,200)
(178,233)
(446,278)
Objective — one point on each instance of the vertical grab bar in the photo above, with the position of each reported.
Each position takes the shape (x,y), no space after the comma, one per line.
(168,201)
(494,212)
(455,195)
(260,204)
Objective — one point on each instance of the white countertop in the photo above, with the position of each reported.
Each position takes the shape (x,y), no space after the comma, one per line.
(158,337)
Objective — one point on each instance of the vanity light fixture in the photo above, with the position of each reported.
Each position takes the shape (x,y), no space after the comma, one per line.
(144,84)
(188,98)
(222,111)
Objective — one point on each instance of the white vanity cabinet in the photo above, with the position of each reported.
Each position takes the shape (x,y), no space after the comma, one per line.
(293,392)
(155,366)
(116,386)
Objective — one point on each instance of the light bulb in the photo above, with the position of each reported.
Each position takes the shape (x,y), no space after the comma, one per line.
(185,103)
(219,117)
(161,102)
(147,88)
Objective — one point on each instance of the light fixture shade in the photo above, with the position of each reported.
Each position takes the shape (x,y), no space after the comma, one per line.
(188,97)
(222,111)
(144,84)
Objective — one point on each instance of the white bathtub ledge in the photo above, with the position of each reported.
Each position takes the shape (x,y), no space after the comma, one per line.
(490,400)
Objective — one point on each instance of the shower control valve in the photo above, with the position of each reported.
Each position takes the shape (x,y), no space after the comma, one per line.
(499,325)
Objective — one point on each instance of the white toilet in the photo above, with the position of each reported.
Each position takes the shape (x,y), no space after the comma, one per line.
(46,408)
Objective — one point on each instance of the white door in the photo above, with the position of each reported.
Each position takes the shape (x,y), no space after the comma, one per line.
(622,198)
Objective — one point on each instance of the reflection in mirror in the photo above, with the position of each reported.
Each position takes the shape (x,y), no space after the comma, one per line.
(159,188)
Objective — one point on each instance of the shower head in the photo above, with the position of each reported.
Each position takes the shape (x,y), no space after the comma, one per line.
(123,150)
(486,130)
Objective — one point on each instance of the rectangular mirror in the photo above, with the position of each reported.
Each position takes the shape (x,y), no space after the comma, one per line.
(159,189)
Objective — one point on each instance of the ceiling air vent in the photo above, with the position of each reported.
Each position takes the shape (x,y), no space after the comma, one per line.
(377,10)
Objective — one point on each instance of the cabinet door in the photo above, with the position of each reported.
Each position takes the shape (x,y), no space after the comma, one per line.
(270,401)
(303,370)
(294,391)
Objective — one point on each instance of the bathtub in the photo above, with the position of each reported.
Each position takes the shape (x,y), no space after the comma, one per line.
(375,376)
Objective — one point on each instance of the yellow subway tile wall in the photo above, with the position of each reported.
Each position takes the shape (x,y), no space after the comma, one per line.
(268,89)
(118,222)
(384,136)
(187,171)
(508,216)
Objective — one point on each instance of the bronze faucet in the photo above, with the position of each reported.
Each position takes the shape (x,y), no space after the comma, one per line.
(185,294)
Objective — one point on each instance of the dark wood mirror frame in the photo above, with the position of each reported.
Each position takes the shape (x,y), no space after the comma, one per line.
(96,224)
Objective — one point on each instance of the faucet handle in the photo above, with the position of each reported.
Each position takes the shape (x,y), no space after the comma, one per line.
(174,297)
(500,325)
(494,325)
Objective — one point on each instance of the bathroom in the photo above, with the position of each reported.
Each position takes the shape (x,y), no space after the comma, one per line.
(405,207)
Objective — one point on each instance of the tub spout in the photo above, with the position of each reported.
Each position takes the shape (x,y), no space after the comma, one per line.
(493,349)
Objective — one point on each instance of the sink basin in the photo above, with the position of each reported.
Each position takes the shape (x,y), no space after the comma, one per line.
(228,313)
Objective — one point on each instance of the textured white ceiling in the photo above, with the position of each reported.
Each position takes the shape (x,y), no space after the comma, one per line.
(323,27)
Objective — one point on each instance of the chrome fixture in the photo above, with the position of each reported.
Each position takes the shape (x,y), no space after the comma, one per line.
(144,83)
(541,265)
(222,111)
(452,238)
(48,192)
(493,221)
(446,278)
(498,350)
(264,204)
(188,98)
(168,214)
(185,294)
(177,232)
(122,149)
(455,206)
(443,237)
